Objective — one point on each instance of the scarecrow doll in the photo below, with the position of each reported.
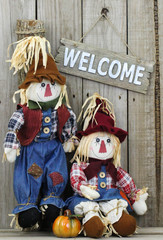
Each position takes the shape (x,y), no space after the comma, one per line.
(104,192)
(38,128)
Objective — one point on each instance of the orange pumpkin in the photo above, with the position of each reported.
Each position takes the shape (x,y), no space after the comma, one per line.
(66,226)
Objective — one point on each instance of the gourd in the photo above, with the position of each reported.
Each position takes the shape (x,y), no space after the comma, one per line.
(66,225)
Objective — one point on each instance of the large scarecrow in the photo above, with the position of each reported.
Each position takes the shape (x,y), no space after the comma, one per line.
(104,192)
(42,123)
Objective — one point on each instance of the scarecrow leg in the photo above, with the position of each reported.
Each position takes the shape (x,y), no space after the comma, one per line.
(49,214)
(29,218)
(93,225)
(116,213)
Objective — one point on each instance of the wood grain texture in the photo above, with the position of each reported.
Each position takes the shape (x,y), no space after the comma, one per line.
(160,29)
(141,114)
(10,11)
(62,19)
(29,27)
(103,36)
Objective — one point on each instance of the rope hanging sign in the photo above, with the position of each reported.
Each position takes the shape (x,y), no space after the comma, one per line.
(101,65)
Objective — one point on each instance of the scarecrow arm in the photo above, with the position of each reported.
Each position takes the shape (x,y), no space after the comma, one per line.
(89,193)
(78,178)
(139,205)
(126,184)
(11,143)
(10,154)
(70,127)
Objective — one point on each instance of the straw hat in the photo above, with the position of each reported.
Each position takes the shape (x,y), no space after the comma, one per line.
(49,72)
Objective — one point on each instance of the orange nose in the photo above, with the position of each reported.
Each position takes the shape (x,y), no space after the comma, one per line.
(102,147)
(48,92)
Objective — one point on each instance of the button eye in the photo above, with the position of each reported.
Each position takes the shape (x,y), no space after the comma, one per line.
(42,84)
(97,140)
(53,83)
(108,140)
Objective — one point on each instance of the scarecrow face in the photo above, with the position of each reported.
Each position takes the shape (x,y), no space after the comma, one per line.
(102,147)
(44,91)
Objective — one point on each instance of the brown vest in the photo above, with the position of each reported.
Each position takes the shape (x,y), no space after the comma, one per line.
(33,120)
(31,127)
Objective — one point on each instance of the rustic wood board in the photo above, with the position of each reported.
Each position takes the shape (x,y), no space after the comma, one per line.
(160,15)
(141,109)
(103,36)
(63,20)
(79,59)
(142,234)
(10,11)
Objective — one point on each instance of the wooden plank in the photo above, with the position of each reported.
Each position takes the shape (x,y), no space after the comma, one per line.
(103,36)
(142,234)
(141,115)
(10,11)
(150,231)
(104,66)
(63,19)
(160,17)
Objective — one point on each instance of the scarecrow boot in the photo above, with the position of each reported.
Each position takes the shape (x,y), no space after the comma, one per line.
(126,225)
(115,212)
(49,214)
(29,218)
(93,225)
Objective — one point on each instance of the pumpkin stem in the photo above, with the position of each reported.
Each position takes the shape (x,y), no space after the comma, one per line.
(67,212)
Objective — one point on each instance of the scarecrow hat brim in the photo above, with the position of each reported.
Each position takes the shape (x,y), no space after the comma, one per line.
(49,72)
(103,122)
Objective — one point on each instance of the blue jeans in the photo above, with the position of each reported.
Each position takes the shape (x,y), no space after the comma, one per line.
(40,169)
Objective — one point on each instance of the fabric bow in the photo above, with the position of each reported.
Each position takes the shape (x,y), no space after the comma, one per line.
(95,167)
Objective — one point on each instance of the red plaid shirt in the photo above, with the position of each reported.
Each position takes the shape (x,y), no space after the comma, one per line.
(124,181)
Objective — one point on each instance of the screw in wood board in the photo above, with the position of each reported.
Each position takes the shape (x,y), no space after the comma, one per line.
(104,11)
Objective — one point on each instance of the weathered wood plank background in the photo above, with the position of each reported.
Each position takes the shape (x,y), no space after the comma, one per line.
(141,109)
(135,112)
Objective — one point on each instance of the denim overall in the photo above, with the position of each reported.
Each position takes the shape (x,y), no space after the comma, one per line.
(105,194)
(40,170)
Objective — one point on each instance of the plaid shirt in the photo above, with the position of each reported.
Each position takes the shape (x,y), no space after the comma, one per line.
(124,181)
(17,120)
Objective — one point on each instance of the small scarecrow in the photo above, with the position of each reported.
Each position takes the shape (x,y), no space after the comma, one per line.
(38,128)
(104,192)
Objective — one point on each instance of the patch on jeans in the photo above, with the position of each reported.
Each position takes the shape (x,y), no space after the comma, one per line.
(35,171)
(56,178)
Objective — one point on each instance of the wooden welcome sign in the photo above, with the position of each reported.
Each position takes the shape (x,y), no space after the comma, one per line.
(104,66)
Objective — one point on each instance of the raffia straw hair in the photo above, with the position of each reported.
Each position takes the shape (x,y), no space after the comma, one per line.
(62,95)
(28,49)
(23,98)
(82,152)
(92,108)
